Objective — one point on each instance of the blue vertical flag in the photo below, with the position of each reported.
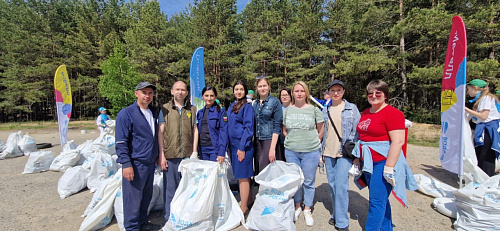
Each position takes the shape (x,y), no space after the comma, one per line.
(197,78)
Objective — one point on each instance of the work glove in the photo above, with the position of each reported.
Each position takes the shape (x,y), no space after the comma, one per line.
(194,155)
(354,171)
(389,175)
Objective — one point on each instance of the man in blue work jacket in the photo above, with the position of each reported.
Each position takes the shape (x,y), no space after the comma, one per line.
(137,150)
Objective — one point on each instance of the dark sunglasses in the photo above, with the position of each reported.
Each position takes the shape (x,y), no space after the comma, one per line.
(376,93)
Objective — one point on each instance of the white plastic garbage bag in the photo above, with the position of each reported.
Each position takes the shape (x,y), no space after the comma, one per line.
(38,162)
(273,208)
(86,150)
(204,188)
(227,213)
(446,206)
(118,207)
(70,145)
(156,202)
(27,144)
(432,187)
(11,146)
(72,181)
(65,160)
(100,210)
(102,167)
(2,146)
(478,206)
(104,143)
(110,126)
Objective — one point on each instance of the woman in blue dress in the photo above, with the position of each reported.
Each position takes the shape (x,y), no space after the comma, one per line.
(241,121)
(211,132)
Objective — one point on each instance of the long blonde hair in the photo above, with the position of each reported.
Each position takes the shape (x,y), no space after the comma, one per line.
(484,92)
(304,85)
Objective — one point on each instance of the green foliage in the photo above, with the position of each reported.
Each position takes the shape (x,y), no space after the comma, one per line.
(110,45)
(117,84)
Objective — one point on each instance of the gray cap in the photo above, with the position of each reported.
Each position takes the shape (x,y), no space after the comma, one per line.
(142,85)
(336,82)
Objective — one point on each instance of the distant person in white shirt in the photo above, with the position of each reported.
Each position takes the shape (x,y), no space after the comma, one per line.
(101,119)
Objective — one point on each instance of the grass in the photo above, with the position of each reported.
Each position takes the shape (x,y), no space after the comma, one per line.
(424,135)
(89,125)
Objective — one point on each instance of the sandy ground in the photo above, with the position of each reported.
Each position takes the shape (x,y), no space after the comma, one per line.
(31,201)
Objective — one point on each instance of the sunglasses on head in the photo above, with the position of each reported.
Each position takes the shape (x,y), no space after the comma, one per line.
(375,93)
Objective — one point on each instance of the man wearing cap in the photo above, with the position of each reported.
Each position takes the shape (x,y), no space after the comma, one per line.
(137,150)
(101,119)
(177,121)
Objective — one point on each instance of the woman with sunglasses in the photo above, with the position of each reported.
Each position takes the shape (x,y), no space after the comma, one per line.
(303,131)
(381,132)
(286,100)
(268,119)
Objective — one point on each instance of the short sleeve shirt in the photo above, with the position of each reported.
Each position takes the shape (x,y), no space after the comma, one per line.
(376,126)
(300,124)
(488,103)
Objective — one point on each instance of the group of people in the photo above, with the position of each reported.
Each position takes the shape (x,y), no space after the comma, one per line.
(258,133)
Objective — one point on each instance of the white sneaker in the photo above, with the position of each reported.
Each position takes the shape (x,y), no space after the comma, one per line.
(297,213)
(309,217)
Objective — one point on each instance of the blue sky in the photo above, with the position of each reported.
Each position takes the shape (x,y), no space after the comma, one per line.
(170,7)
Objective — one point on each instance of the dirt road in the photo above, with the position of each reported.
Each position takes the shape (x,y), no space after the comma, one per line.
(31,201)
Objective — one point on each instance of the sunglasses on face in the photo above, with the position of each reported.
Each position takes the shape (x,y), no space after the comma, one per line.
(375,93)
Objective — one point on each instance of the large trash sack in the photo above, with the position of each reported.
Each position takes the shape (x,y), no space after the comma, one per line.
(478,206)
(86,150)
(204,188)
(65,160)
(38,162)
(27,144)
(11,146)
(100,210)
(118,207)
(102,167)
(2,146)
(274,208)
(433,187)
(156,202)
(104,143)
(72,181)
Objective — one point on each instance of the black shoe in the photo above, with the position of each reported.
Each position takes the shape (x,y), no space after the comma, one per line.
(343,229)
(331,221)
(150,226)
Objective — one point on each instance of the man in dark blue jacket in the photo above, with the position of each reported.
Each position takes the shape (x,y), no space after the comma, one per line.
(137,150)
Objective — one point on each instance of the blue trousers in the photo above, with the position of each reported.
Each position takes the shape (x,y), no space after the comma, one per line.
(337,172)
(379,210)
(137,195)
(171,180)
(208,153)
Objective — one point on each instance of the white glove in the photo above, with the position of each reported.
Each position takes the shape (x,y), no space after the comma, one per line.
(389,175)
(194,155)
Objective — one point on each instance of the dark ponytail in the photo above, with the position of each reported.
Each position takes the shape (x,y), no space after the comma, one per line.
(240,102)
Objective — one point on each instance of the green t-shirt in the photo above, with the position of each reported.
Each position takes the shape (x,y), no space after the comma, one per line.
(300,124)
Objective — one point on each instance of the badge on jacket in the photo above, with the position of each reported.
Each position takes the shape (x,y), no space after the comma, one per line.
(224,117)
(188,113)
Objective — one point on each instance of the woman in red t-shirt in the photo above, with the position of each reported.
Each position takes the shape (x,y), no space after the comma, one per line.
(380,122)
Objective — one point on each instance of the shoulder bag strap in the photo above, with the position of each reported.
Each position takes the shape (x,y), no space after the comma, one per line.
(331,121)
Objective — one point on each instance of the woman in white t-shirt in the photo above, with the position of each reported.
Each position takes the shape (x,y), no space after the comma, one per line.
(486,115)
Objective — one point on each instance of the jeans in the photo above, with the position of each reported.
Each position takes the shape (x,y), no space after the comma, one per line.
(379,209)
(337,172)
(308,162)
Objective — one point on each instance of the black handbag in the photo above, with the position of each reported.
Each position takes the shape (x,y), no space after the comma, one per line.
(348,146)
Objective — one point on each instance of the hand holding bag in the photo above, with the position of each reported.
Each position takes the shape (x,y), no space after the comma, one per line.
(348,146)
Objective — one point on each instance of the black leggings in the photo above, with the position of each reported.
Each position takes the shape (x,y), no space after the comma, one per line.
(486,156)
